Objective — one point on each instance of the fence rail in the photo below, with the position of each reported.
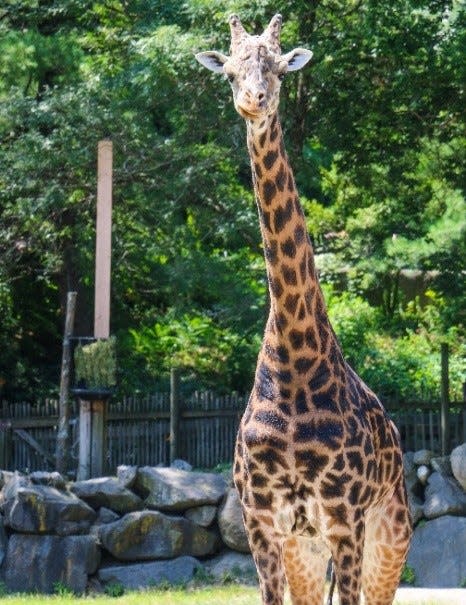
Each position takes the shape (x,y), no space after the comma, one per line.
(138,430)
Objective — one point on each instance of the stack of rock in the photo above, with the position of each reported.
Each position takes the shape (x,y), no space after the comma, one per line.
(144,527)
(437,496)
(152,525)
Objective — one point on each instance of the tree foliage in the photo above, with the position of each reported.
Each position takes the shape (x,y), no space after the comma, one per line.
(374,129)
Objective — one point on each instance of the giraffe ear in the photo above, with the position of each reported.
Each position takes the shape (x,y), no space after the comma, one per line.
(212,60)
(297,58)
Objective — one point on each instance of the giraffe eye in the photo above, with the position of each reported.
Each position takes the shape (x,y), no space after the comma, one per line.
(281,76)
(230,77)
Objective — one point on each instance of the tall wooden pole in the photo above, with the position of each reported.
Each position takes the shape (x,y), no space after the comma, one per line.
(63,405)
(103,249)
(92,414)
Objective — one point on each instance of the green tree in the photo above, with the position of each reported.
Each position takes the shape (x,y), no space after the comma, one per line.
(374,128)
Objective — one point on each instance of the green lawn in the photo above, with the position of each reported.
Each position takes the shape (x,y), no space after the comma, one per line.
(214,595)
(225,595)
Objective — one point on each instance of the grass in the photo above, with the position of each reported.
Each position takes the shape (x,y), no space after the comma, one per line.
(212,595)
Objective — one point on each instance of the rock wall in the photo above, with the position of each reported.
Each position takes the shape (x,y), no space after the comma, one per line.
(143,527)
(437,498)
(153,525)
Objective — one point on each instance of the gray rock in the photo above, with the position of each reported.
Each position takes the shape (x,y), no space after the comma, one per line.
(127,475)
(422,457)
(443,496)
(230,522)
(3,540)
(36,563)
(458,464)
(181,465)
(423,473)
(412,482)
(442,465)
(232,564)
(5,476)
(42,509)
(437,553)
(105,515)
(202,515)
(146,535)
(108,492)
(416,508)
(94,587)
(408,464)
(53,479)
(170,489)
(146,575)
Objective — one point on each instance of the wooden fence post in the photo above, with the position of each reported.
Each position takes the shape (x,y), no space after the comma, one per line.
(174,413)
(61,457)
(5,444)
(445,401)
(85,438)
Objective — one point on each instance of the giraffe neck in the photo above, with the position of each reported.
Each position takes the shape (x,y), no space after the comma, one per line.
(298,315)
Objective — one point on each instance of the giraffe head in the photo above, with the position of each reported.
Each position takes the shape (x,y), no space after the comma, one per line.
(255,67)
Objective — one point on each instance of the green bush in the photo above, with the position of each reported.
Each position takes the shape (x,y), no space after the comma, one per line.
(408,575)
(400,361)
(218,356)
(95,363)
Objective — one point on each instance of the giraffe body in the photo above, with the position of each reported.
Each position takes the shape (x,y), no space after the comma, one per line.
(318,463)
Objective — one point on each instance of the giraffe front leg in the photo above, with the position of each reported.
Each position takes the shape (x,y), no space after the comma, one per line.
(305,561)
(347,555)
(266,550)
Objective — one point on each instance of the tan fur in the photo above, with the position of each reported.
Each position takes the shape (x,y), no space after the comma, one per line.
(318,462)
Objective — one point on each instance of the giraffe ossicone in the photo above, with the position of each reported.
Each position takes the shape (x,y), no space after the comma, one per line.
(318,464)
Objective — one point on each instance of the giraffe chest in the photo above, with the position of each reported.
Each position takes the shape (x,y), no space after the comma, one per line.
(293,460)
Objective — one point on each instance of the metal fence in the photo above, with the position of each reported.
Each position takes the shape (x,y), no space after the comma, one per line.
(138,430)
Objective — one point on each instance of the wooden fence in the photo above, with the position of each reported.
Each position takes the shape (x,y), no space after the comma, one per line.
(138,430)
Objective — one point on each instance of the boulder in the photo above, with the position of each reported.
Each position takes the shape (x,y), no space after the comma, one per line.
(108,492)
(171,489)
(3,540)
(105,515)
(37,563)
(181,465)
(127,475)
(422,457)
(458,464)
(43,509)
(138,576)
(416,508)
(413,486)
(53,479)
(230,522)
(423,473)
(143,535)
(202,515)
(5,476)
(233,565)
(442,465)
(443,496)
(408,464)
(437,553)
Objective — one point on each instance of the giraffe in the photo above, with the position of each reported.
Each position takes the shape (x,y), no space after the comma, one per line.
(318,465)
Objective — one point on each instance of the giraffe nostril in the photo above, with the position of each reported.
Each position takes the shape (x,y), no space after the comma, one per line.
(260,96)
